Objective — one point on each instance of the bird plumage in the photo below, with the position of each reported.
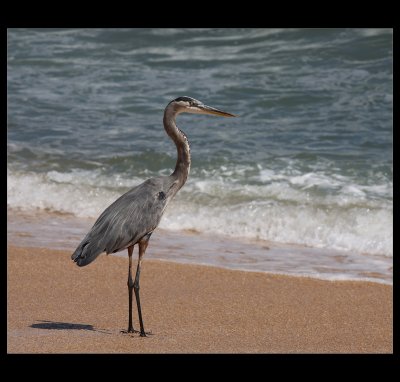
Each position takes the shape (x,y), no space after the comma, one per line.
(131,217)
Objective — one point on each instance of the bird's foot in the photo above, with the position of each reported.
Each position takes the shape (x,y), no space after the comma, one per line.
(130,330)
(145,334)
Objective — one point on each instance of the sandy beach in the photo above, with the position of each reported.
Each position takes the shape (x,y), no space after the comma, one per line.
(53,306)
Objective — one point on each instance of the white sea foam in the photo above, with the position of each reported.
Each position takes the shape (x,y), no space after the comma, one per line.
(356,229)
(281,210)
(69,193)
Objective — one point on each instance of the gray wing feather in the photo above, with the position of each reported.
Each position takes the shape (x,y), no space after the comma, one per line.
(131,217)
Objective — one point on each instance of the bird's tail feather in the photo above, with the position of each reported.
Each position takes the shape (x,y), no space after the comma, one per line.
(86,252)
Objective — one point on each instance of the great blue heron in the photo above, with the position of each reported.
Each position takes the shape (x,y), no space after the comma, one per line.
(133,217)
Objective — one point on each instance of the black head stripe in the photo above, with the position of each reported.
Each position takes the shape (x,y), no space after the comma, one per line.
(186,99)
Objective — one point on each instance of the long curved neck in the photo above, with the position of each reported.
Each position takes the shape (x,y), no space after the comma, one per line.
(182,166)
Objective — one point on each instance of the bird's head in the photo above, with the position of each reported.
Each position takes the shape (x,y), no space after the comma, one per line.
(191,105)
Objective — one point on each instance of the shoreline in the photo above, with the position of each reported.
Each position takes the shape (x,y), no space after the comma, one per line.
(38,228)
(189,309)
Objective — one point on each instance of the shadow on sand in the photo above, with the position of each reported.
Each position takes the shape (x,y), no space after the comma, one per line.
(52,325)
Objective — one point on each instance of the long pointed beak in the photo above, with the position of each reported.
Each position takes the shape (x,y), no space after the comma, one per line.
(213,111)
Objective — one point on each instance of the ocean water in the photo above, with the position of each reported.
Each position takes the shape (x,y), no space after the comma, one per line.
(300,183)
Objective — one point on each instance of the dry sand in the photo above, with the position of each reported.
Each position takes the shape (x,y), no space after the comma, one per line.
(53,306)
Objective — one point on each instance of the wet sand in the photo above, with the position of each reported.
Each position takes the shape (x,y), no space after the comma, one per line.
(37,228)
(53,306)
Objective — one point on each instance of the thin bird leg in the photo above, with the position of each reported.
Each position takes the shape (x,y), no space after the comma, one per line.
(130,288)
(142,249)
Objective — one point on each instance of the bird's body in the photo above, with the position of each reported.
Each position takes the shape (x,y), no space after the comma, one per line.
(132,218)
